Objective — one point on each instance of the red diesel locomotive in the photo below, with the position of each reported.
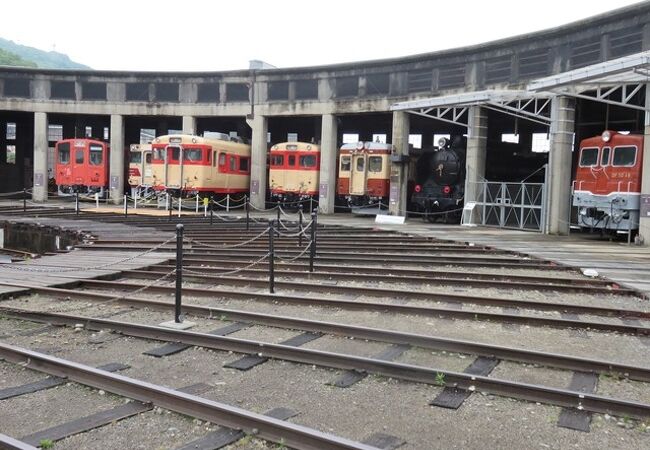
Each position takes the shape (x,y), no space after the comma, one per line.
(81,165)
(608,182)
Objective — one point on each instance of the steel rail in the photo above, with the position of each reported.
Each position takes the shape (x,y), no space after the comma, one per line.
(555,360)
(422,276)
(268,428)
(363,306)
(254,252)
(9,443)
(353,257)
(150,393)
(381,292)
(386,273)
(378,292)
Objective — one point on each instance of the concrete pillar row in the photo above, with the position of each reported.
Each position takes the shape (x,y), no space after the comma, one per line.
(39,192)
(644,221)
(558,187)
(328,164)
(116,178)
(397,203)
(189,125)
(477,134)
(259,144)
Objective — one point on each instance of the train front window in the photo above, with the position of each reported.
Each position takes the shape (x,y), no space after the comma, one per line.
(589,157)
(292,161)
(360,164)
(192,154)
(233,163)
(79,156)
(308,161)
(135,157)
(64,153)
(624,156)
(176,153)
(96,155)
(243,164)
(159,154)
(604,158)
(345,163)
(277,160)
(374,164)
(147,158)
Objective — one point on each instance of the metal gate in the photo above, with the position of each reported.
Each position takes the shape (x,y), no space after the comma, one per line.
(507,205)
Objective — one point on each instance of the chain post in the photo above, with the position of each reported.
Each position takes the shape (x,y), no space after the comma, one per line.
(278,218)
(126,206)
(179,272)
(312,244)
(248,213)
(24,200)
(300,225)
(76,203)
(271,258)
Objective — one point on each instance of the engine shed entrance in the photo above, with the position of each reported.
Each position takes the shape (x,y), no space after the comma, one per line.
(505,170)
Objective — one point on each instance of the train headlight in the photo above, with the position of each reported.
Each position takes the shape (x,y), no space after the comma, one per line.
(583,211)
(606,136)
(442,142)
(418,188)
(446,189)
(359,145)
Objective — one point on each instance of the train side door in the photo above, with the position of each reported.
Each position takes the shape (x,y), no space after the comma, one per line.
(358,175)
(78,162)
(147,172)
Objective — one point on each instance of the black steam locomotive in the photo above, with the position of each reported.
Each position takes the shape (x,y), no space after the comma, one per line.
(440,181)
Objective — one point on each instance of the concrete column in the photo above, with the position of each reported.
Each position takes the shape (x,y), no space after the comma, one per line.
(399,171)
(189,125)
(328,152)
(477,134)
(259,144)
(644,221)
(116,182)
(558,189)
(39,192)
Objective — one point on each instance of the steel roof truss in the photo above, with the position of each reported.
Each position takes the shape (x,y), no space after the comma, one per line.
(453,115)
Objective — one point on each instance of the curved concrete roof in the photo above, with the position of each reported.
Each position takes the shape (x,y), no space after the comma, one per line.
(339,88)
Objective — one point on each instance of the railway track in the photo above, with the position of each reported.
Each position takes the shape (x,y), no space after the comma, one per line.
(345,256)
(406,372)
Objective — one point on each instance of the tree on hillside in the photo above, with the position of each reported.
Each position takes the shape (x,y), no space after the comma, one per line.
(11,59)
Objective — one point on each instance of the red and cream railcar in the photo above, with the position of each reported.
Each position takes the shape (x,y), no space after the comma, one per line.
(140,174)
(364,173)
(81,165)
(189,165)
(294,169)
(608,182)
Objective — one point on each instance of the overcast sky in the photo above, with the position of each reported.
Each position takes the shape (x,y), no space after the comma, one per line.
(223,35)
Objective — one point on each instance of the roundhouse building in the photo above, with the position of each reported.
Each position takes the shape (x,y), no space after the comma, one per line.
(544,83)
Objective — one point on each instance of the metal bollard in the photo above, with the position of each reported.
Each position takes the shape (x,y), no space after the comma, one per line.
(312,244)
(311,204)
(24,200)
(180,205)
(76,203)
(248,213)
(271,258)
(300,225)
(126,207)
(179,272)
(97,200)
(227,202)
(277,230)
(197,204)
